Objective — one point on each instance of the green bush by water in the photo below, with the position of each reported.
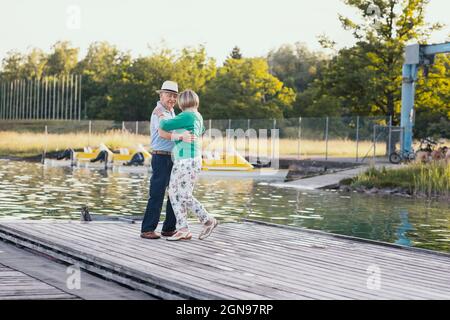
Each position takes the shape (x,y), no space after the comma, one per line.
(431,180)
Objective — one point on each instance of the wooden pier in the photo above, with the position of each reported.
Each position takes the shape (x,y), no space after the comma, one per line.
(245,260)
(15,285)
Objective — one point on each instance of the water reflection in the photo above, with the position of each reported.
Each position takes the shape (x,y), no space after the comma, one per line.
(28,191)
(403,228)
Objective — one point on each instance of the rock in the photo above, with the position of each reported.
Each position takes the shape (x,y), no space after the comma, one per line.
(362,189)
(373,190)
(345,188)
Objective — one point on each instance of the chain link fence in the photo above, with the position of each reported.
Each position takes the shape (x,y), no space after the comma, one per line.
(331,138)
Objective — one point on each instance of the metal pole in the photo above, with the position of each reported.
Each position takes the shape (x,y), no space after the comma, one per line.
(1,101)
(390,135)
(17,112)
(247,147)
(46,99)
(2,114)
(409,73)
(19,90)
(271,138)
(63,99)
(14,100)
(21,113)
(137,127)
(76,99)
(38,98)
(299,137)
(10,107)
(19,100)
(28,100)
(123,126)
(31,98)
(5,91)
(58,100)
(54,99)
(326,139)
(79,100)
(357,138)
(90,130)
(209,123)
(7,101)
(374,142)
(16,95)
(4,99)
(35,99)
(229,124)
(69,96)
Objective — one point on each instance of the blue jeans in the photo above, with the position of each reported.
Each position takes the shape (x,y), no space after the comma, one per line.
(162,167)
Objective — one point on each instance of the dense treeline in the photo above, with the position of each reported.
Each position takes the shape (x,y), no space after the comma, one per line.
(289,81)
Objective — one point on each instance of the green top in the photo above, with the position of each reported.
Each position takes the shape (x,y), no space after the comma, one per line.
(190,121)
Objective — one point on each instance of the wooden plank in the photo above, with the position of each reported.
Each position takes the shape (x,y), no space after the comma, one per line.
(213,275)
(77,231)
(128,268)
(104,245)
(155,248)
(335,268)
(19,286)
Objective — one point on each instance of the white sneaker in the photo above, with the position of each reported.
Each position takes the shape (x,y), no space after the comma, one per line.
(206,232)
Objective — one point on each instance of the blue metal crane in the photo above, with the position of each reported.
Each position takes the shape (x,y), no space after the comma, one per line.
(416,55)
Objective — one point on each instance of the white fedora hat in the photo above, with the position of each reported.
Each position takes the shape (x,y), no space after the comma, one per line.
(169,86)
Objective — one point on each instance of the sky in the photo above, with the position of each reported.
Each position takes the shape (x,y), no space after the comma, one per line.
(256,26)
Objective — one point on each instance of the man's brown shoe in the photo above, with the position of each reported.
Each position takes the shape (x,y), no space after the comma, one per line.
(150,235)
(168,233)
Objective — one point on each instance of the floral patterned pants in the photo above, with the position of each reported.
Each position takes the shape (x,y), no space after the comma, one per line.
(181,187)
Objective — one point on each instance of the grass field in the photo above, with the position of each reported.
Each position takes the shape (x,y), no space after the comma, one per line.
(25,144)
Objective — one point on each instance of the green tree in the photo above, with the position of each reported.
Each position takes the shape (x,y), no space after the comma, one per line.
(103,67)
(193,69)
(433,101)
(244,88)
(134,96)
(236,53)
(63,59)
(35,64)
(12,66)
(367,77)
(296,66)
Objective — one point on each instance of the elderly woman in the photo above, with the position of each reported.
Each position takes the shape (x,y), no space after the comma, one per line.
(186,167)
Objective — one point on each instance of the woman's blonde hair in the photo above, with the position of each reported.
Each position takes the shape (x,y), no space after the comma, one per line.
(188,99)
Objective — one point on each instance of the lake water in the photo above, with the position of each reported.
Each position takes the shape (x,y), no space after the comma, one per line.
(30,191)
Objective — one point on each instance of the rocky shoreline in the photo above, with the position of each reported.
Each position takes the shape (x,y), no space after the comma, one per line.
(381,191)
(392,191)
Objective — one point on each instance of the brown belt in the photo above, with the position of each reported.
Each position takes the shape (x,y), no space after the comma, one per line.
(164,153)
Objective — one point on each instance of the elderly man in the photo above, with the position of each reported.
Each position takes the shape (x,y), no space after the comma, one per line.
(162,165)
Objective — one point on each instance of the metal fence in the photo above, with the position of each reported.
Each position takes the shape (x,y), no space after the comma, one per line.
(346,138)
(46,98)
